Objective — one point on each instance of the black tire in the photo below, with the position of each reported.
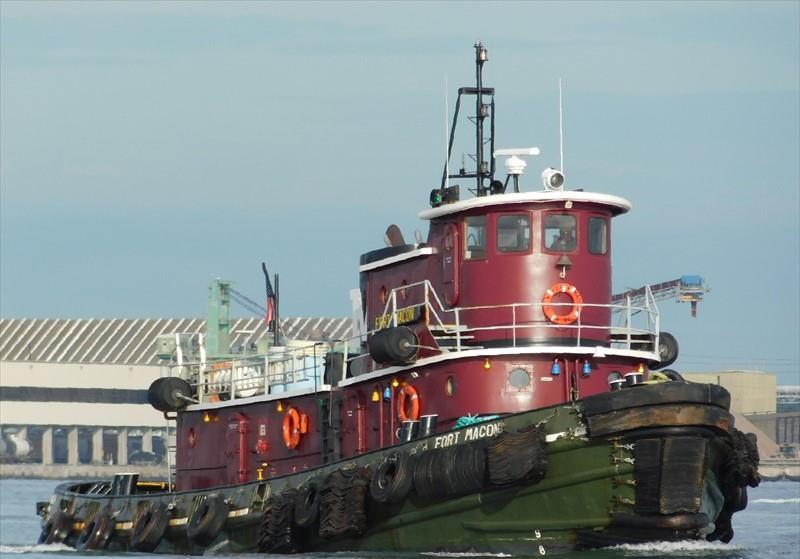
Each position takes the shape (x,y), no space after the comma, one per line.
(165,394)
(393,345)
(342,505)
(150,527)
(672,374)
(56,528)
(426,477)
(469,473)
(306,504)
(517,457)
(740,501)
(392,479)
(276,532)
(667,350)
(208,520)
(96,534)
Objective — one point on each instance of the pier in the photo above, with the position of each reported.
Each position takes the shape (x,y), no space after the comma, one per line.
(81,471)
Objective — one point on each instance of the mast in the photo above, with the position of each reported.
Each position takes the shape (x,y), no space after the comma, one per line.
(484,171)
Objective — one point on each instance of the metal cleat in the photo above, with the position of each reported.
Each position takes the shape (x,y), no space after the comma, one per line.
(624,501)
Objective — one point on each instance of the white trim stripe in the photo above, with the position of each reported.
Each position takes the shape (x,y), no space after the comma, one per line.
(426,251)
(620,205)
(532,350)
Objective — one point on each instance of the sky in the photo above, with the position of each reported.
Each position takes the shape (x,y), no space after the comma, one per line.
(147,148)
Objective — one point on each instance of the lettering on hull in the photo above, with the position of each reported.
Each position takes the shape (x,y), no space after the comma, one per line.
(474,433)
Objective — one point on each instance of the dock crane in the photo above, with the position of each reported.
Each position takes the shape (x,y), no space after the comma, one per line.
(685,289)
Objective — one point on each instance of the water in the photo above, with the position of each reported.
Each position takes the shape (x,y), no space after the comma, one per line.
(768,528)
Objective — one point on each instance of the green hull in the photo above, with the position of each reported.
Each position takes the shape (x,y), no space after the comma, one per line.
(613,475)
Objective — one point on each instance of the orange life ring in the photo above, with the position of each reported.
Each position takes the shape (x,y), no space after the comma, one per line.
(573,293)
(294,425)
(410,393)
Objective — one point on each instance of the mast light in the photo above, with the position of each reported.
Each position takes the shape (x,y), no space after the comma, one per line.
(553,179)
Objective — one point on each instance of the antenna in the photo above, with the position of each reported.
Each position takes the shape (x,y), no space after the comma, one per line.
(560,127)
(446,135)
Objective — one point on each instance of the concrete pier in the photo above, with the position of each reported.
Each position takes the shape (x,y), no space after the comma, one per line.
(97,446)
(81,451)
(81,471)
(72,446)
(47,446)
(122,447)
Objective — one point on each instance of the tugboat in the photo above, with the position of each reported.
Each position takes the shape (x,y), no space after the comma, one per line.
(494,398)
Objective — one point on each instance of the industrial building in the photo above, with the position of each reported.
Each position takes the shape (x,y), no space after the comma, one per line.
(73,393)
(768,407)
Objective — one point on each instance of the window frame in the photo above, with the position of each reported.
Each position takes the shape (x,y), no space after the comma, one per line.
(467,254)
(519,214)
(606,239)
(574,215)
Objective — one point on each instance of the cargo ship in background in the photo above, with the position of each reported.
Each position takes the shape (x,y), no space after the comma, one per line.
(494,397)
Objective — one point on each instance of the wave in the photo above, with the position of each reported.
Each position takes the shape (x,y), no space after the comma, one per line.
(777,501)
(667,548)
(38,548)
(466,554)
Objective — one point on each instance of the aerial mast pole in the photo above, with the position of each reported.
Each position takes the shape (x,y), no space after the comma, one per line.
(481,56)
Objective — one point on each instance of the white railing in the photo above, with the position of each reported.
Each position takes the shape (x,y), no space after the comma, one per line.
(281,369)
(636,327)
(301,366)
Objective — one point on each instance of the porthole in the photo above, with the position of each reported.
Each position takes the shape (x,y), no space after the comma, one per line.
(519,379)
(191,437)
(382,294)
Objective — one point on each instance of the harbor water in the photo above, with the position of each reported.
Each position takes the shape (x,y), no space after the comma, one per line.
(768,528)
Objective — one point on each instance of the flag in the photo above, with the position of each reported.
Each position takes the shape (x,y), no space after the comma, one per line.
(269,318)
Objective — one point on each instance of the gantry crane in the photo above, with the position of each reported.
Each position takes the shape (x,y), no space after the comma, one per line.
(685,289)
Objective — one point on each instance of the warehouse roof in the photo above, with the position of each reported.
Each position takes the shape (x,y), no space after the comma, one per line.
(133,341)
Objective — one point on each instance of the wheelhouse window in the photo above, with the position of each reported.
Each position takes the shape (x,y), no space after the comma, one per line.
(476,237)
(598,235)
(560,233)
(513,233)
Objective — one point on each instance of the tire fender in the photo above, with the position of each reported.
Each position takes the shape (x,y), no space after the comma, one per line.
(150,527)
(208,520)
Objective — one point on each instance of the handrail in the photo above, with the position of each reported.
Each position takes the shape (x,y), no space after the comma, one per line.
(235,377)
(287,367)
(436,311)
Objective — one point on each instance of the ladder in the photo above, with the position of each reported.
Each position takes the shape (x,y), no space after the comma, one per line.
(171,445)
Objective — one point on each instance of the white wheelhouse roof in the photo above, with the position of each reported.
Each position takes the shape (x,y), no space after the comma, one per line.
(617,204)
